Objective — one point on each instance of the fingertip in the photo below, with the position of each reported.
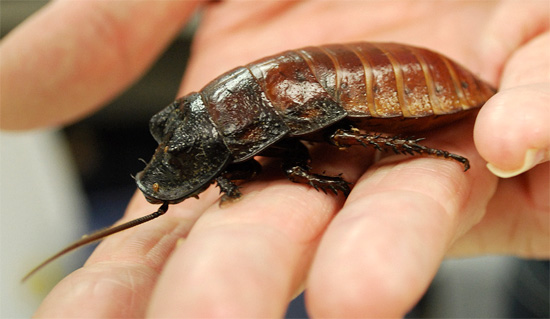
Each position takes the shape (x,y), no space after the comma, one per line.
(511,131)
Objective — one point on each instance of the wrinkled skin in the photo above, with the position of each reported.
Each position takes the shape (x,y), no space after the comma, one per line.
(372,255)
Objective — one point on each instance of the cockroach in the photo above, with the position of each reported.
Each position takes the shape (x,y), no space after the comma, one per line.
(343,94)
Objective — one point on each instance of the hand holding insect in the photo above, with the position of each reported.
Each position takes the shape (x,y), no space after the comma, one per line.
(402,217)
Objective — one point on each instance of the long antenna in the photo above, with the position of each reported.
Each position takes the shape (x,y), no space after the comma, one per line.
(88,239)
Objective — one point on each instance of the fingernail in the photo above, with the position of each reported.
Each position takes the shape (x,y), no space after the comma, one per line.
(531,159)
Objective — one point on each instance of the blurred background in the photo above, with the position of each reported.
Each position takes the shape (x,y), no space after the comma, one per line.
(59,184)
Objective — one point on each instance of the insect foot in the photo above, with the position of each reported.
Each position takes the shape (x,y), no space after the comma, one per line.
(298,174)
(228,188)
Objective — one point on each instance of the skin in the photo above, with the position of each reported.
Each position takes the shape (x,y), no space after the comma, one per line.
(372,255)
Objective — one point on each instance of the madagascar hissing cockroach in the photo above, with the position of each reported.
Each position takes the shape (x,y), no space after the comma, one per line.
(343,94)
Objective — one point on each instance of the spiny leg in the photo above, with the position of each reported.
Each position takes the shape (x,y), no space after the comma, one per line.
(296,161)
(348,137)
(235,172)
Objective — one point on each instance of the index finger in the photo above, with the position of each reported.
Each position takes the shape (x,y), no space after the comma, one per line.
(68,59)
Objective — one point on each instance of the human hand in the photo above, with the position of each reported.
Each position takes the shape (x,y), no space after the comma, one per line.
(375,254)
(67,60)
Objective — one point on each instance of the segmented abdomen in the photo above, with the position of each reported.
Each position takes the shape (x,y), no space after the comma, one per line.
(399,80)
(388,79)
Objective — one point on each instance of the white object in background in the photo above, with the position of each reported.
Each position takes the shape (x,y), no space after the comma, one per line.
(41,211)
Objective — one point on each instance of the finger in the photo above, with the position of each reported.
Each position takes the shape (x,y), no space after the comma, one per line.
(381,251)
(119,277)
(67,60)
(245,260)
(511,132)
(249,258)
(509,26)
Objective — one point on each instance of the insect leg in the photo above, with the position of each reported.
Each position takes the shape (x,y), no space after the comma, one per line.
(348,137)
(296,162)
(237,172)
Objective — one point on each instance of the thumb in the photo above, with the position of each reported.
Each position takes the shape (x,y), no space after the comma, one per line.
(511,131)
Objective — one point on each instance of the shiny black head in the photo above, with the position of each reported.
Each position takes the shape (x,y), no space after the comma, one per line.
(191,152)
